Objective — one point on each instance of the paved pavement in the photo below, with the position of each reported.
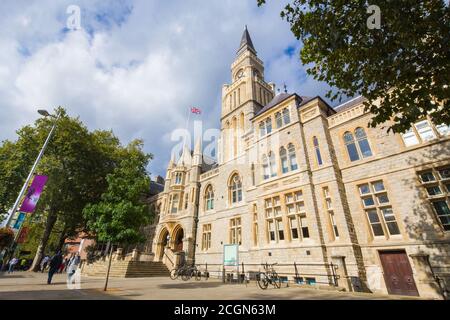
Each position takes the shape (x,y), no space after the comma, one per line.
(29,285)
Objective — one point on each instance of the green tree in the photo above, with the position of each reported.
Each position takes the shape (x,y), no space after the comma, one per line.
(121,213)
(405,63)
(76,161)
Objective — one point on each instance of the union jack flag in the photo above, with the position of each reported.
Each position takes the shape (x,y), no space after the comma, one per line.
(196,110)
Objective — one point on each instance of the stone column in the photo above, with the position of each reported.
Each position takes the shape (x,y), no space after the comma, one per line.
(341,270)
(427,285)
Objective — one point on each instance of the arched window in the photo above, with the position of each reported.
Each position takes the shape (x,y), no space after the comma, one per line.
(292,157)
(273,165)
(278,120)
(349,141)
(286,116)
(317,150)
(209,197)
(239,96)
(268,125)
(284,160)
(265,166)
(236,189)
(363,143)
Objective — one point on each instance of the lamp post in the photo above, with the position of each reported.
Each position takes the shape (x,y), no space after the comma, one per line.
(10,216)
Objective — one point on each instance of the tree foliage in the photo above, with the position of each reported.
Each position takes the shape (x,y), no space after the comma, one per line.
(77,163)
(405,64)
(6,237)
(121,213)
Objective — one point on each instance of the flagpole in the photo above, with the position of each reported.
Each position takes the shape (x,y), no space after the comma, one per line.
(187,125)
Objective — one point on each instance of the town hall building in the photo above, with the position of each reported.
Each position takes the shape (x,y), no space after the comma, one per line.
(298,181)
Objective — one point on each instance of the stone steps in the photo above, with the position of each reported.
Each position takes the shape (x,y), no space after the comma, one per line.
(127,269)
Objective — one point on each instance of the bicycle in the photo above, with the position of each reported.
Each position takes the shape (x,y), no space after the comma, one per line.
(176,272)
(269,276)
(190,272)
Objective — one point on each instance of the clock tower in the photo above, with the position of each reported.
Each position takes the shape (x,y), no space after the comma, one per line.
(242,99)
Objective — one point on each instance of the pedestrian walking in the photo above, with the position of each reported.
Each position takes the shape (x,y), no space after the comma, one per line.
(44,263)
(62,266)
(74,262)
(55,263)
(12,264)
(23,264)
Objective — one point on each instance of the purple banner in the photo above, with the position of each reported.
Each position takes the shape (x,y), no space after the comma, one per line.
(34,192)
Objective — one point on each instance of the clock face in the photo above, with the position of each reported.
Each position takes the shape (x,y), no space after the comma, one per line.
(240,74)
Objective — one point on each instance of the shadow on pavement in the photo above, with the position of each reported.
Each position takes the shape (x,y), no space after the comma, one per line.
(82,294)
(190,285)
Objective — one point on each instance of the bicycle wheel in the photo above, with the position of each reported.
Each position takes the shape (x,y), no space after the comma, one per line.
(174,274)
(187,274)
(198,275)
(276,281)
(263,282)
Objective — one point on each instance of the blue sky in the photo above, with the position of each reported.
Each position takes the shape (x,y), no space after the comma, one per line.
(136,66)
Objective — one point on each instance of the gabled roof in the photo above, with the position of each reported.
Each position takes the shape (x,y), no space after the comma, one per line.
(280,98)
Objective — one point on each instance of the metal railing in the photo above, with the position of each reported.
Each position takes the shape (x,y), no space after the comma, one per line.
(296,273)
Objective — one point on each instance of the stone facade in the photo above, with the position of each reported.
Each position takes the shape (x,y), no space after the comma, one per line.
(318,186)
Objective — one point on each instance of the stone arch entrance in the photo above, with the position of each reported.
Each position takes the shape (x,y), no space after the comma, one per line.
(177,238)
(163,240)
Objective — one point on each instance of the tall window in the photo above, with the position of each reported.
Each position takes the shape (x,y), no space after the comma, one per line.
(174,203)
(274,219)
(268,125)
(351,146)
(252,169)
(209,196)
(363,143)
(272,164)
(378,209)
(236,189)
(284,160)
(436,182)
(292,157)
(286,116)
(235,231)
(262,128)
(206,237)
(295,209)
(186,200)
(278,119)
(255,225)
(178,177)
(329,208)
(357,149)
(265,167)
(317,150)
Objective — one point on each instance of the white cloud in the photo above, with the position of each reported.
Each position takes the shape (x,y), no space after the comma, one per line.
(137,66)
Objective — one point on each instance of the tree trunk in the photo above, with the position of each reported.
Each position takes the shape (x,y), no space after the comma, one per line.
(109,268)
(49,224)
(62,239)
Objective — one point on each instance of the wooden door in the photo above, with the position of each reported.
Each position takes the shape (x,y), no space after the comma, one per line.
(398,273)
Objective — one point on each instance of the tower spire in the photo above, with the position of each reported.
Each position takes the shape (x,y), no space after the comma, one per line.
(246,42)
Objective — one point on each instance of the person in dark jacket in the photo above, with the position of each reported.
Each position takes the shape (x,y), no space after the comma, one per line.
(55,263)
